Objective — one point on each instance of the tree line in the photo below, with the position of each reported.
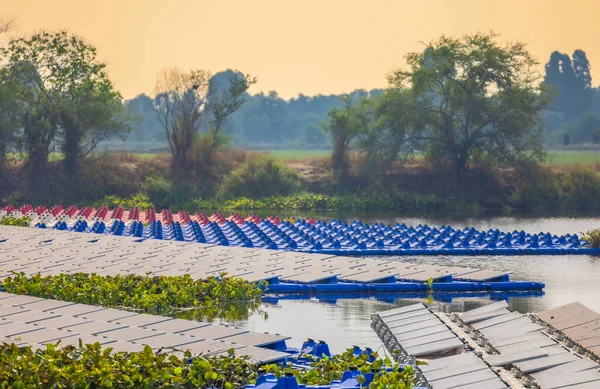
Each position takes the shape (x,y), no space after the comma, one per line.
(459,101)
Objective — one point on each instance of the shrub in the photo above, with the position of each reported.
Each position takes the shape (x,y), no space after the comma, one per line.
(396,202)
(325,370)
(593,237)
(92,366)
(164,193)
(260,176)
(15,221)
(581,188)
(137,201)
(178,296)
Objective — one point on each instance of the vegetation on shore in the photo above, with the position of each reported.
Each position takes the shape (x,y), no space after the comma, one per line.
(479,145)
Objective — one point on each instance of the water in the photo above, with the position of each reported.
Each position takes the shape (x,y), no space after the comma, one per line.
(344,323)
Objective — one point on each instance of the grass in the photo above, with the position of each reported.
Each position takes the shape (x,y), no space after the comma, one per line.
(566,158)
(555,157)
(296,154)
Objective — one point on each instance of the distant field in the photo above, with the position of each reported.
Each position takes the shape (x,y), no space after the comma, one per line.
(565,158)
(297,154)
(555,157)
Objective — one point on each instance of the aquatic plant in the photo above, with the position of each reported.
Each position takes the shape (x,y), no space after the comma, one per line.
(140,200)
(177,296)
(327,369)
(91,366)
(15,221)
(593,237)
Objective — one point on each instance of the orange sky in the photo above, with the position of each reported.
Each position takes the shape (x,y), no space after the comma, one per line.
(293,46)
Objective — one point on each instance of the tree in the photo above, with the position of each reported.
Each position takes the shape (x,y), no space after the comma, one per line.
(344,125)
(9,116)
(65,92)
(148,128)
(386,139)
(572,83)
(566,140)
(180,103)
(473,96)
(222,105)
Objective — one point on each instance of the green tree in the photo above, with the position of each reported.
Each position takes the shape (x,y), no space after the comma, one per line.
(344,124)
(223,103)
(9,116)
(474,96)
(571,80)
(67,94)
(386,139)
(180,104)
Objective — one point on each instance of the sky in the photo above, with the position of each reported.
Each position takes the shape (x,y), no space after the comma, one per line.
(291,46)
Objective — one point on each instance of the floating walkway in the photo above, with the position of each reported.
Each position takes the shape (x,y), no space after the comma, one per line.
(54,252)
(494,348)
(336,237)
(33,321)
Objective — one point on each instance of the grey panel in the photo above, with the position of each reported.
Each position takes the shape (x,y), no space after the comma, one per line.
(487,308)
(453,361)
(545,363)
(428,339)
(484,315)
(568,368)
(401,337)
(568,380)
(510,316)
(464,379)
(255,339)
(435,347)
(509,358)
(400,310)
(452,371)
(493,383)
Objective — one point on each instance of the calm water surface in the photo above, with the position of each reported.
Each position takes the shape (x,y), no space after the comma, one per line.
(346,322)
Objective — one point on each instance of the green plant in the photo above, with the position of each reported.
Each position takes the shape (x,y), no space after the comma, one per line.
(164,193)
(325,370)
(92,366)
(140,201)
(260,176)
(15,221)
(429,284)
(178,296)
(593,237)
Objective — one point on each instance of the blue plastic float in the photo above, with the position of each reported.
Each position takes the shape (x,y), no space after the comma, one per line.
(356,238)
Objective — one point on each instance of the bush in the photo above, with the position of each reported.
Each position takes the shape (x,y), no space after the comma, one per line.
(312,202)
(178,296)
(92,366)
(325,370)
(593,237)
(164,193)
(14,221)
(581,189)
(260,176)
(140,201)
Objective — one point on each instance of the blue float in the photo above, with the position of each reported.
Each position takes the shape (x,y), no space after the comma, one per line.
(356,238)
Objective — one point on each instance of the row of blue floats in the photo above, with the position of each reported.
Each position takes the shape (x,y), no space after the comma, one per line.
(356,238)
(254,235)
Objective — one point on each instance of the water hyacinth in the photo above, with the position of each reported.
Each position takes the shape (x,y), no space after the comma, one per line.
(178,296)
